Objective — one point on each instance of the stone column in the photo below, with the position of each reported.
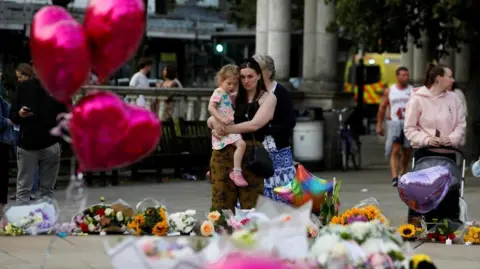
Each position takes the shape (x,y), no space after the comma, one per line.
(449,60)
(462,65)
(406,58)
(309,40)
(326,49)
(420,63)
(279,35)
(261,34)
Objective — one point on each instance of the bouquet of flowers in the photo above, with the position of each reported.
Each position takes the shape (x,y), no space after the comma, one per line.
(153,252)
(216,222)
(103,217)
(367,210)
(359,244)
(331,206)
(182,222)
(444,231)
(471,234)
(31,219)
(150,221)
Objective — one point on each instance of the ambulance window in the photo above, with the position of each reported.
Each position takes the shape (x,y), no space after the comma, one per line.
(372,74)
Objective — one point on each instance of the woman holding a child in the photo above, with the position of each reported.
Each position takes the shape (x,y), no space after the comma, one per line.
(254,109)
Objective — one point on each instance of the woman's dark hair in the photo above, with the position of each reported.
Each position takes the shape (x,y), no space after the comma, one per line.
(25,69)
(242,98)
(432,72)
(170,72)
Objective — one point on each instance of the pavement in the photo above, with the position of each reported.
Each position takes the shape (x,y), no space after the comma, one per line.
(89,252)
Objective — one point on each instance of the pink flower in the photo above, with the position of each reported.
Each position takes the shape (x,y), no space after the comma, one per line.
(234,223)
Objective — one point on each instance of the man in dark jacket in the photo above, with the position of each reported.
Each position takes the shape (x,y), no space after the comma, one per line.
(36,112)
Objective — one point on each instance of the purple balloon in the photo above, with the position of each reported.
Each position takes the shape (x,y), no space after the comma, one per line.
(423,190)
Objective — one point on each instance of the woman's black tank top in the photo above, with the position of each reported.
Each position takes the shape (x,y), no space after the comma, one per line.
(245,113)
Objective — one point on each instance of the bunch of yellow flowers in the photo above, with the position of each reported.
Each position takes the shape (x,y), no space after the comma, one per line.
(367,213)
(472,235)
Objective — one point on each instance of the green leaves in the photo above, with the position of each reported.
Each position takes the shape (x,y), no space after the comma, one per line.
(384,25)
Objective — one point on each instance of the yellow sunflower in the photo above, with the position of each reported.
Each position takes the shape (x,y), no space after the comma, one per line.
(407,231)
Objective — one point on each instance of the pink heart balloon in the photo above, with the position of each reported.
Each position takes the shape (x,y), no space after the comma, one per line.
(115,29)
(106,133)
(60,52)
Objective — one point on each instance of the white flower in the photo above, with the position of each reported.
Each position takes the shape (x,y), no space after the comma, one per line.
(191,212)
(120,216)
(8,229)
(97,218)
(339,251)
(360,230)
(108,212)
(91,227)
(321,247)
(379,245)
(38,217)
(24,221)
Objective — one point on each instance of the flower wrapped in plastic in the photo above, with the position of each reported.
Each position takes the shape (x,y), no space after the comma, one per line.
(365,211)
(151,219)
(359,243)
(154,253)
(38,218)
(182,223)
(445,230)
(471,234)
(102,217)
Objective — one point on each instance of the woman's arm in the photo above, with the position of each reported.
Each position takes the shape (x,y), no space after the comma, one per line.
(460,125)
(261,118)
(414,134)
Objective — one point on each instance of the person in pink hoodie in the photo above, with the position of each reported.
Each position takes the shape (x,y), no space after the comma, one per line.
(435,118)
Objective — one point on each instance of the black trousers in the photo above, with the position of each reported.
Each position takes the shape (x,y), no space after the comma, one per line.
(449,207)
(4,157)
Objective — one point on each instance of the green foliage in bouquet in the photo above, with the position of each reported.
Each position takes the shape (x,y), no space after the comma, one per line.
(332,204)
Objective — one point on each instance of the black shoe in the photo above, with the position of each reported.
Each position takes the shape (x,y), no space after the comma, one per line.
(395,182)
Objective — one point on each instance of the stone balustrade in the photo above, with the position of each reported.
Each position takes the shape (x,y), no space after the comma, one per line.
(188,103)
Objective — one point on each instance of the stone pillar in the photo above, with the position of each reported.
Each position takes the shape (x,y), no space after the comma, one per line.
(406,58)
(462,65)
(326,49)
(309,40)
(420,63)
(261,34)
(279,36)
(449,60)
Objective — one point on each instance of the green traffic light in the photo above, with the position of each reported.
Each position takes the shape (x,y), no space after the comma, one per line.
(219,48)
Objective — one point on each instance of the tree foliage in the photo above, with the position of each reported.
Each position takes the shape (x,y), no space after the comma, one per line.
(243,13)
(384,25)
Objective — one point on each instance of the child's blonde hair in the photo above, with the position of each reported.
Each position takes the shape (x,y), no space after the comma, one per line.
(227,71)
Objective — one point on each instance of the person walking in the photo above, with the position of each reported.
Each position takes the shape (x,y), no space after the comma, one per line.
(35,111)
(395,99)
(435,118)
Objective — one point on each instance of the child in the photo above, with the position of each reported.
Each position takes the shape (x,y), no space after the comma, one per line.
(221,108)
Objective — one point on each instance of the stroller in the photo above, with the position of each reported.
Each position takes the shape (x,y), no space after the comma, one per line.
(446,210)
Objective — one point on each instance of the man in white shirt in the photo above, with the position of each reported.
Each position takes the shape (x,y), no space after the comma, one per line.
(396,98)
(140,79)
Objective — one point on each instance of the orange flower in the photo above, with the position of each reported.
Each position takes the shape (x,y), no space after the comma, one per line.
(161,228)
(139,218)
(162,213)
(287,218)
(214,216)
(207,228)
(336,220)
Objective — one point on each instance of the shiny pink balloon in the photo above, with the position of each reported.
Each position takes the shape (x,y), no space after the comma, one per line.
(106,133)
(60,52)
(115,29)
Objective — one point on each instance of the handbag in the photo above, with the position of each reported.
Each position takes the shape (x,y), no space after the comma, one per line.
(258,160)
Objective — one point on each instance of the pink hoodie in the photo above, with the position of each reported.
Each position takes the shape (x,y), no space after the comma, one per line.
(425,114)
